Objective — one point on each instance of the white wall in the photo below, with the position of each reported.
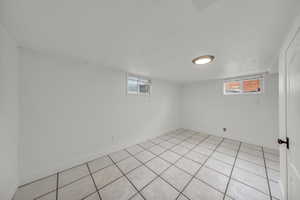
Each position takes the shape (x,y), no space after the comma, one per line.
(9,115)
(74,112)
(249,118)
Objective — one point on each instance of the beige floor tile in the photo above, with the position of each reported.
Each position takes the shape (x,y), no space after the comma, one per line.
(227,151)
(208,145)
(176,177)
(141,177)
(252,152)
(147,144)
(157,150)
(275,189)
(219,166)
(158,165)
(197,190)
(170,156)
(174,141)
(273,165)
(251,146)
(134,149)
(137,197)
(224,158)
(99,163)
(229,146)
(272,157)
(157,140)
(189,151)
(36,189)
(251,179)
(202,150)
(213,178)
(166,145)
(181,197)
(271,151)
(251,158)
(94,196)
(197,157)
(144,156)
(106,176)
(128,164)
(188,165)
(239,191)
(274,175)
(187,145)
(181,150)
(251,167)
(119,155)
(159,190)
(50,196)
(77,190)
(72,174)
(118,190)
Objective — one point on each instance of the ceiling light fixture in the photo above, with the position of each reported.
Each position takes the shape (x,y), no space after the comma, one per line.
(201,60)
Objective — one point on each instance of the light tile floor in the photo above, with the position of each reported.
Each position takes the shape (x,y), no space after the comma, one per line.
(182,165)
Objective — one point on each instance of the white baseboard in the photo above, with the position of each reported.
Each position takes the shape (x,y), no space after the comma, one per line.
(42,173)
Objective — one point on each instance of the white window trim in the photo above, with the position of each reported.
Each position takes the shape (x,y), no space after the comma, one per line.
(138,89)
(261,77)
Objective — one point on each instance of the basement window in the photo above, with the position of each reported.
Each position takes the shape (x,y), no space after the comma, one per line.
(244,85)
(137,85)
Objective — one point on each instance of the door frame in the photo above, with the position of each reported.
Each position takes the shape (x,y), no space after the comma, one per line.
(283,105)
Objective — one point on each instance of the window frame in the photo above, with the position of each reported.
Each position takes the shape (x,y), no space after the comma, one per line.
(241,79)
(140,79)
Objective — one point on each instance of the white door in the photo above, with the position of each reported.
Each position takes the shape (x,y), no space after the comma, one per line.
(293,116)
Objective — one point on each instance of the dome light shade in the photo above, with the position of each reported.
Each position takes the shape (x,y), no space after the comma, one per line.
(201,60)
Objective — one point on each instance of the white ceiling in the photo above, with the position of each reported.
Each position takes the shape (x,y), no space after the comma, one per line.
(156,38)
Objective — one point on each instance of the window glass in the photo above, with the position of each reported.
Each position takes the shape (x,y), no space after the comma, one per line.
(137,85)
(251,85)
(144,89)
(132,86)
(246,85)
(233,86)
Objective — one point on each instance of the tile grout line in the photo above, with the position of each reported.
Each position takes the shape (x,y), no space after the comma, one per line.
(43,195)
(170,137)
(269,187)
(172,164)
(82,177)
(57,179)
(124,175)
(250,186)
(142,164)
(87,165)
(228,175)
(232,170)
(232,177)
(208,157)
(254,155)
(133,155)
(34,181)
(144,149)
(263,158)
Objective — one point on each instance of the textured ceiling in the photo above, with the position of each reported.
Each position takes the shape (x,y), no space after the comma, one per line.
(156,38)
